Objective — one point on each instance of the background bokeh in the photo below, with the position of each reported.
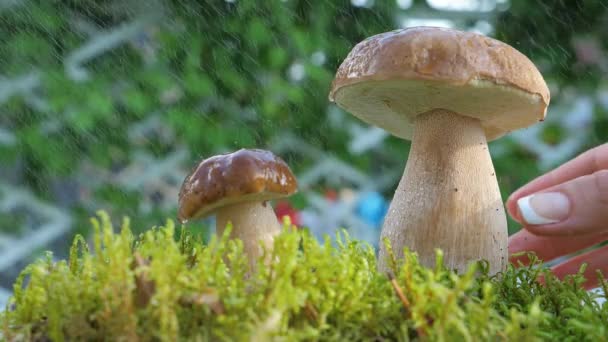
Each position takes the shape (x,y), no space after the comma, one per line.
(108,104)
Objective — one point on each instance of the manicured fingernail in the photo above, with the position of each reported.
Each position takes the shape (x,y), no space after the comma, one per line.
(544,208)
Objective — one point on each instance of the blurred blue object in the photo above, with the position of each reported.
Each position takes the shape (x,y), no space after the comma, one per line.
(371,207)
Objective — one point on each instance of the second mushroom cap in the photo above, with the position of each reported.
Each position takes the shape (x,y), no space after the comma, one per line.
(244,175)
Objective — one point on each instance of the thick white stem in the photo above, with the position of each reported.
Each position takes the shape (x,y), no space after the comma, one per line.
(254,223)
(448,197)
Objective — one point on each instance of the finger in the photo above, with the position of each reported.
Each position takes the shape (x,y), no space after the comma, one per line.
(589,162)
(577,207)
(596,259)
(548,248)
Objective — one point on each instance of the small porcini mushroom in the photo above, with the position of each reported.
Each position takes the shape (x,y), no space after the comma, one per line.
(449,92)
(236,187)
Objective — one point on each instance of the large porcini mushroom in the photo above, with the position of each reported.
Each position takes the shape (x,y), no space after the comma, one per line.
(449,92)
(237,187)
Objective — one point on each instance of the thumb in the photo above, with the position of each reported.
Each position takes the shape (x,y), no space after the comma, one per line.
(578,206)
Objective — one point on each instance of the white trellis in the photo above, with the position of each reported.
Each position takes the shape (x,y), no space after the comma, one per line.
(325,216)
(54,222)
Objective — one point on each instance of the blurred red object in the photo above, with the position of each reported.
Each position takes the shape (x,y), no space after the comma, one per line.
(284,208)
(331,195)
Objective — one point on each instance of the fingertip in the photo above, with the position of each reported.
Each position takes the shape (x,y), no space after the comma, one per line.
(512,196)
(512,210)
(511,204)
(517,194)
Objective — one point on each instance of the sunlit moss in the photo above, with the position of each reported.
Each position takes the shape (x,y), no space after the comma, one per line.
(159,287)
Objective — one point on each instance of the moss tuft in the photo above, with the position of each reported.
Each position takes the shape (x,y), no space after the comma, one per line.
(160,287)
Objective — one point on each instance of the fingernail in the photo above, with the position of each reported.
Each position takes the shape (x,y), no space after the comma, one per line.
(544,208)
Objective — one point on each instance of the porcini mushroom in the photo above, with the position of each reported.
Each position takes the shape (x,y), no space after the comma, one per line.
(449,92)
(237,187)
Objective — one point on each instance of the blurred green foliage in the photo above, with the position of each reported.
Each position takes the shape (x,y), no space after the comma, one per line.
(222,59)
(218,72)
(544,31)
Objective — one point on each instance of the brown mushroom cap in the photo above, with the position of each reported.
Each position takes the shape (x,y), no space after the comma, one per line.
(244,175)
(389,78)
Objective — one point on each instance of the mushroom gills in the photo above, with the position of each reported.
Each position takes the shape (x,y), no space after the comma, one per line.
(394,104)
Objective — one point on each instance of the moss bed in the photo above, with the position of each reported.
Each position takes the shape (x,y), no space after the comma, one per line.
(157,286)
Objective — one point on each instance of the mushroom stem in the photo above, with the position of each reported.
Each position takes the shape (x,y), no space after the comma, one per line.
(448,197)
(252,222)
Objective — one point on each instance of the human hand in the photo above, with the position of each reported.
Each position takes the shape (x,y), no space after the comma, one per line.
(565,211)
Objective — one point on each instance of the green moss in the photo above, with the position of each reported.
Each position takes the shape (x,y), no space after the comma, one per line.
(160,287)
